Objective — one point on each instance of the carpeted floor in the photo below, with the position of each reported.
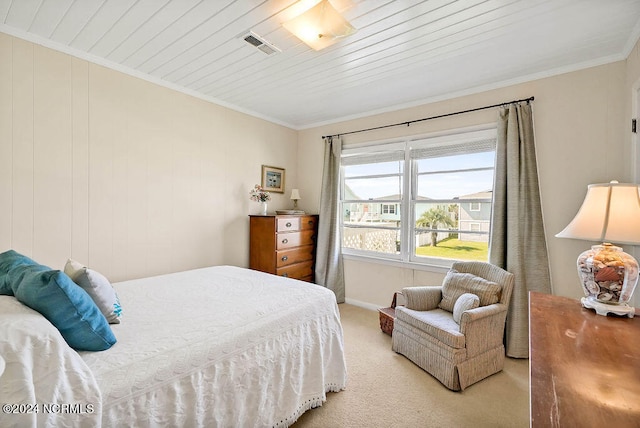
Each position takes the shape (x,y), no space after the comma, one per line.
(387,390)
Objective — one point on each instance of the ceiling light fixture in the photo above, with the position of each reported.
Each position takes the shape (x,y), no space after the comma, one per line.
(320,26)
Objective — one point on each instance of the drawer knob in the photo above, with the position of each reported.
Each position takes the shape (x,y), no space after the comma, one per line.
(310,222)
(285,258)
(288,224)
(285,240)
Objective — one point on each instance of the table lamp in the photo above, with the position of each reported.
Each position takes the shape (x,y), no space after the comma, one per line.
(295,196)
(610,213)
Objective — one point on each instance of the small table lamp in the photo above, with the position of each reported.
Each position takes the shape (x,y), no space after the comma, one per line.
(295,196)
(610,213)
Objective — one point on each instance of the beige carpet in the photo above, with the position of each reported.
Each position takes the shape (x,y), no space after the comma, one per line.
(387,390)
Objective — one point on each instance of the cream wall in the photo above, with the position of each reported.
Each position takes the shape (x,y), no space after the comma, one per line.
(128,177)
(582,137)
(633,140)
(135,179)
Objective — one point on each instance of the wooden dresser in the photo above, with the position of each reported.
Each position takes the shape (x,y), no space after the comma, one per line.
(584,368)
(284,245)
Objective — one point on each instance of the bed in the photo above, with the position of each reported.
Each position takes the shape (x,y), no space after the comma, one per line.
(220,346)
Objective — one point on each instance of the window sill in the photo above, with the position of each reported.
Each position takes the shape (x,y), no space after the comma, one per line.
(398,263)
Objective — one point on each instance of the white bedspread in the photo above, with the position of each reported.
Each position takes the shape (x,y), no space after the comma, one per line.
(44,383)
(220,346)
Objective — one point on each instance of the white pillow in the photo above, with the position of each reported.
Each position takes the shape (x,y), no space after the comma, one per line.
(465,302)
(98,287)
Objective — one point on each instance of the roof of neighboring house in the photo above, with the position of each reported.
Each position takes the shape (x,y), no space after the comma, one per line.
(478,195)
(398,196)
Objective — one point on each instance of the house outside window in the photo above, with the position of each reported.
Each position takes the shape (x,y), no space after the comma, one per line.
(422,200)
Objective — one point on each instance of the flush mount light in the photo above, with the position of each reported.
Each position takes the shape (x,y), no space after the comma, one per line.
(320,26)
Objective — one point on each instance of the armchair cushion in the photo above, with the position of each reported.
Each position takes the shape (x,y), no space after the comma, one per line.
(456,284)
(465,302)
(436,323)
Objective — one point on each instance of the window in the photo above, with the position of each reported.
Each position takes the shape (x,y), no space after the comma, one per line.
(422,200)
(371,181)
(388,209)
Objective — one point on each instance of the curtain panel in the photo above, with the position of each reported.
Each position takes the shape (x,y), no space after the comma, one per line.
(517,241)
(329,267)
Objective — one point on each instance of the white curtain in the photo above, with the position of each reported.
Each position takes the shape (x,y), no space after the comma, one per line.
(329,269)
(518,242)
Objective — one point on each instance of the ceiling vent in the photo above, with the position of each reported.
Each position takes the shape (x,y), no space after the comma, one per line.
(260,43)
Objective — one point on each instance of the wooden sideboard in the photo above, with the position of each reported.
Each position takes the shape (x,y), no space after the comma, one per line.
(284,245)
(584,367)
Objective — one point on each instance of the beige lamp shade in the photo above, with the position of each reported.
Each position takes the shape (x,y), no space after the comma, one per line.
(295,194)
(610,213)
(320,26)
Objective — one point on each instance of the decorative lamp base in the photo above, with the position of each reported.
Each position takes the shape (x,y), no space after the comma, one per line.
(604,309)
(608,276)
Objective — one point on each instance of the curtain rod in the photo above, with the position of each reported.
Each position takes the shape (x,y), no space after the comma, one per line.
(430,118)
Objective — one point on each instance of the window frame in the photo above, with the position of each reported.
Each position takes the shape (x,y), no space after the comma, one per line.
(407,203)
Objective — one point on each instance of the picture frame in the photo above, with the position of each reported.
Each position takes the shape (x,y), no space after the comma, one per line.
(273,179)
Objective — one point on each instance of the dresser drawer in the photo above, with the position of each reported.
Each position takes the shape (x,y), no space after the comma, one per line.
(288,224)
(295,255)
(308,222)
(297,271)
(295,239)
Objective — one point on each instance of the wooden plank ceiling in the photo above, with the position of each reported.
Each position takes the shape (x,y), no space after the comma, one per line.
(404,52)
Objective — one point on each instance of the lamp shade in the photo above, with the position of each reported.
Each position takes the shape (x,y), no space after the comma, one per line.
(320,26)
(610,213)
(295,194)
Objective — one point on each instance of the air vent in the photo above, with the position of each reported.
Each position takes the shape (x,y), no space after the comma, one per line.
(260,43)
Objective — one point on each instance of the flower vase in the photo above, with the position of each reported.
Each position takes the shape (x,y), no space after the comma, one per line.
(263,209)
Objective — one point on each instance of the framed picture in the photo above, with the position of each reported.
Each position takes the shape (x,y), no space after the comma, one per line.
(273,179)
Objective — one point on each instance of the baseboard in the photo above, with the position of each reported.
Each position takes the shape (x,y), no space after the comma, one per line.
(364,305)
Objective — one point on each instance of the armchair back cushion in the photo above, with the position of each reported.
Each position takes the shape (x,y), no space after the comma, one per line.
(456,284)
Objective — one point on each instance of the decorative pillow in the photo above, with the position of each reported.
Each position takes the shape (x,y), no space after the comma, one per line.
(8,260)
(98,287)
(67,306)
(455,284)
(465,302)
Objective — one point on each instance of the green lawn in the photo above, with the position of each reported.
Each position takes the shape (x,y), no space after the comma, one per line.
(455,249)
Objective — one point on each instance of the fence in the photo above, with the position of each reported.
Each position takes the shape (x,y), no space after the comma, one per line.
(382,241)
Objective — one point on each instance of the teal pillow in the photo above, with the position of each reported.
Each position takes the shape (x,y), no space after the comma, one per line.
(67,306)
(9,260)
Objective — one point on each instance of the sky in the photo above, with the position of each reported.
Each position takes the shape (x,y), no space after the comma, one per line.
(446,178)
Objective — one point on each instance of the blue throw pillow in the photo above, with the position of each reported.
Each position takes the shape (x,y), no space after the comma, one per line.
(9,260)
(66,305)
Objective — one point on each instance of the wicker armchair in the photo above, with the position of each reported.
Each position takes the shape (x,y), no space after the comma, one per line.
(457,353)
